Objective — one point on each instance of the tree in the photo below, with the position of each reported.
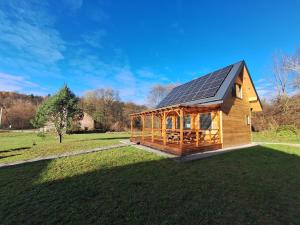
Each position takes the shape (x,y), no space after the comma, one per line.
(291,64)
(280,75)
(60,109)
(106,108)
(20,113)
(158,92)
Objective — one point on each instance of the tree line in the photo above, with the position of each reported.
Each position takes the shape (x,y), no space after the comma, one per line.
(16,110)
(104,105)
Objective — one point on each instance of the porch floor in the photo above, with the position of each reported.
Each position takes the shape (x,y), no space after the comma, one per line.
(174,148)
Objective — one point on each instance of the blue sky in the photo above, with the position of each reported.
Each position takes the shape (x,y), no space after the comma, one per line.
(132,45)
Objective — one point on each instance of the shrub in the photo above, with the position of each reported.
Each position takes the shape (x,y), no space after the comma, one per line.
(287,130)
(41,135)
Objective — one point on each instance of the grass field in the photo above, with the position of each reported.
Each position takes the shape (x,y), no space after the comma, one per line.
(258,185)
(19,146)
(273,136)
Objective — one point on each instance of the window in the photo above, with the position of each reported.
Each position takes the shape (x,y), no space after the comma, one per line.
(238,91)
(187,122)
(169,123)
(205,121)
(248,120)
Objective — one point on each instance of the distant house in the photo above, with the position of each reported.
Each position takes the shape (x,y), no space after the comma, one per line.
(210,112)
(87,123)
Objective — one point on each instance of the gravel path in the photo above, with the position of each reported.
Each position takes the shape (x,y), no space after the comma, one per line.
(56,156)
(278,143)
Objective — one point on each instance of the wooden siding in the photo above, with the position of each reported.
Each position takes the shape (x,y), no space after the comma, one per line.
(236,131)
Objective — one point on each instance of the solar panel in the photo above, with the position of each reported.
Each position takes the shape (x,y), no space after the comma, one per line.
(203,87)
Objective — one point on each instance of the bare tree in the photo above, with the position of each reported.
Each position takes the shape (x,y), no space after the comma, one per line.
(104,106)
(291,64)
(158,92)
(280,75)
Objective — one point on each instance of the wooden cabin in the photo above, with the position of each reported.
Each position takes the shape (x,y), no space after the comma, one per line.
(208,113)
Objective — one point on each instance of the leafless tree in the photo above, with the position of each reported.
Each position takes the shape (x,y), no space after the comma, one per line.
(280,75)
(291,64)
(158,92)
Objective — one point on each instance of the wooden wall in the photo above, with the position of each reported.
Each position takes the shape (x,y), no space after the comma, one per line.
(236,131)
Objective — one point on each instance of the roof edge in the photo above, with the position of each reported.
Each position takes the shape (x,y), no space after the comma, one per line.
(253,85)
(225,87)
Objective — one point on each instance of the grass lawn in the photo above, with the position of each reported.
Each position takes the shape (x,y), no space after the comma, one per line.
(258,185)
(272,136)
(19,146)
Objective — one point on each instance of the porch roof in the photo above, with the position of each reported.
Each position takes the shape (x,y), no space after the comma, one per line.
(206,105)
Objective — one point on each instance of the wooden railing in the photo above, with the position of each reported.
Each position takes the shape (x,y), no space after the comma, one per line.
(190,136)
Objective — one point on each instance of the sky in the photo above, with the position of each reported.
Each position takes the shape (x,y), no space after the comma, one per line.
(133,45)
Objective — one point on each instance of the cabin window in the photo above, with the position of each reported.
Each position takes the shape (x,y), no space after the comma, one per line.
(187,122)
(205,121)
(169,123)
(238,91)
(248,120)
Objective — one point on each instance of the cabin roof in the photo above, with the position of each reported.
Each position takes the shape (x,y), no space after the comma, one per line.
(212,87)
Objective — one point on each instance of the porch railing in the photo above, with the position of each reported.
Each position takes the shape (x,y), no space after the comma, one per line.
(190,136)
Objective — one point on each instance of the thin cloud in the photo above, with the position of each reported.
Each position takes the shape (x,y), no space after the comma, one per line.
(41,42)
(95,39)
(73,5)
(148,74)
(10,82)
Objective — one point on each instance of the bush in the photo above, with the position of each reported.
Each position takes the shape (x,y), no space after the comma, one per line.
(117,126)
(287,130)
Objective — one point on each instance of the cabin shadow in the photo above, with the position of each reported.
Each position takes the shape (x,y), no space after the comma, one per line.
(257,185)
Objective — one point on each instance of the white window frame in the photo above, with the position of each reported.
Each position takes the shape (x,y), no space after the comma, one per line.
(248,120)
(238,91)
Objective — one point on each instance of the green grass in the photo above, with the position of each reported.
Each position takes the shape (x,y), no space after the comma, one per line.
(273,136)
(19,146)
(258,185)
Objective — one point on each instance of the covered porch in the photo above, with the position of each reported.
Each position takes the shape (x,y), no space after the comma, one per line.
(179,130)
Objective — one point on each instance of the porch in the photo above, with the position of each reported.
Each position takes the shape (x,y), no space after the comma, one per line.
(179,130)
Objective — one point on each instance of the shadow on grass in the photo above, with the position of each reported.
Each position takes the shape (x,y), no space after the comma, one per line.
(14,149)
(250,186)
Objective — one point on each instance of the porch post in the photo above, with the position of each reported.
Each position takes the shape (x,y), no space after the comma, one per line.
(161,124)
(152,127)
(220,128)
(181,127)
(164,129)
(197,129)
(173,123)
(192,121)
(143,126)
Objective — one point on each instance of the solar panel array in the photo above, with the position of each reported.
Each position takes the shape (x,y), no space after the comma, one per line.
(200,88)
